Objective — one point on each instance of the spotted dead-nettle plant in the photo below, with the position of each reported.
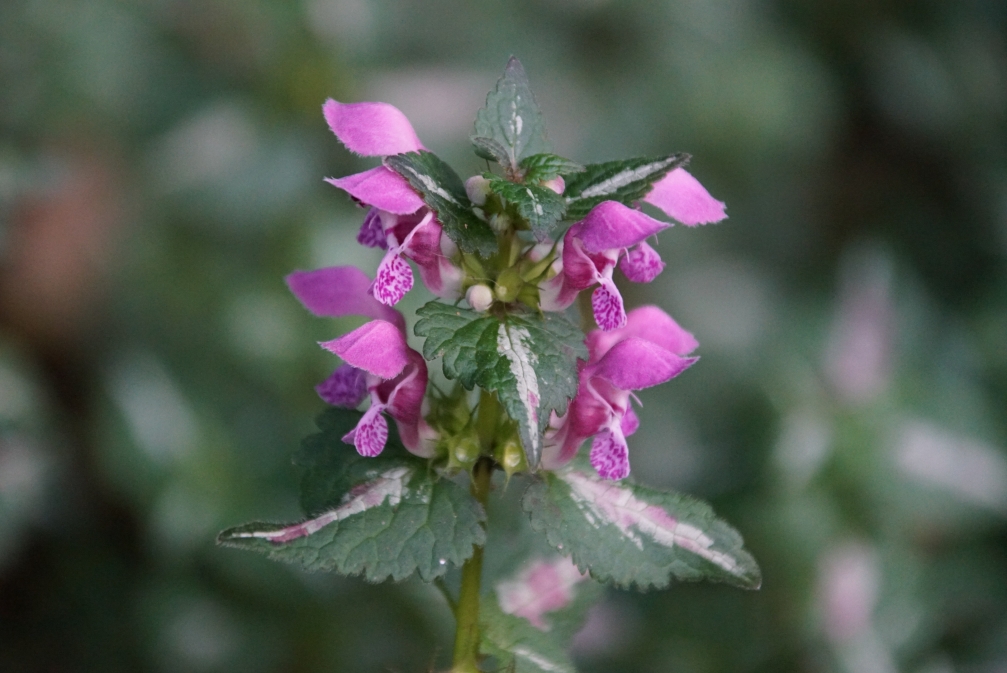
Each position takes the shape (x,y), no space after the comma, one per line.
(532,409)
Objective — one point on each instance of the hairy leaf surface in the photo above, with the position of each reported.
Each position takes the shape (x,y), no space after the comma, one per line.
(632,535)
(511,119)
(530,361)
(381,517)
(625,181)
(443,191)
(540,206)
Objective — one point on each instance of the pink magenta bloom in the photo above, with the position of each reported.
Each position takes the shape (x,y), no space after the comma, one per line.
(398,220)
(650,349)
(396,381)
(613,234)
(377,359)
(591,250)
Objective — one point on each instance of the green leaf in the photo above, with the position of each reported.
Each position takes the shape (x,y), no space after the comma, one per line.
(519,646)
(380,517)
(487,148)
(511,119)
(444,192)
(625,181)
(530,361)
(542,167)
(540,206)
(632,535)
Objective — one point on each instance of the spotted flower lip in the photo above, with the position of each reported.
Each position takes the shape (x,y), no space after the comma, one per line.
(614,234)
(398,221)
(396,381)
(650,349)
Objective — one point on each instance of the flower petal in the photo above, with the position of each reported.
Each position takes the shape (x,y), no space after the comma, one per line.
(346,387)
(641,264)
(646,322)
(682,197)
(607,304)
(372,232)
(338,291)
(610,455)
(634,364)
(371,129)
(393,280)
(382,188)
(371,433)
(378,348)
(611,225)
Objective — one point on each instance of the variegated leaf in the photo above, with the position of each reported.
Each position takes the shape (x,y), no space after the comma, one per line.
(626,181)
(530,361)
(632,535)
(381,517)
(511,123)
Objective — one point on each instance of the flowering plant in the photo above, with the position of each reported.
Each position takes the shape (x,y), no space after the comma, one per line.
(388,500)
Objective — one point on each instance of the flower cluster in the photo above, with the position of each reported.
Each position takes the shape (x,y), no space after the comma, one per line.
(533,271)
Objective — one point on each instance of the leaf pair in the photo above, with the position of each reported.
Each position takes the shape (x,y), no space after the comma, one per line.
(529,361)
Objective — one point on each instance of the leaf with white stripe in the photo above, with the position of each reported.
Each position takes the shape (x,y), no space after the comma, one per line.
(443,191)
(510,127)
(632,535)
(626,181)
(541,207)
(530,361)
(517,645)
(381,517)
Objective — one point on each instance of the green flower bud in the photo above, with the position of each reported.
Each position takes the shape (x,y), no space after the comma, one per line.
(508,284)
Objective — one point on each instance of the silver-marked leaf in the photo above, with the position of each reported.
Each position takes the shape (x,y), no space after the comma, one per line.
(632,535)
(381,517)
(517,645)
(625,181)
(542,167)
(539,206)
(443,191)
(511,118)
(530,361)
(487,148)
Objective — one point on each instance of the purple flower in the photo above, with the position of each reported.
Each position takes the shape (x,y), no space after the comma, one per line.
(378,361)
(613,234)
(398,220)
(396,381)
(648,350)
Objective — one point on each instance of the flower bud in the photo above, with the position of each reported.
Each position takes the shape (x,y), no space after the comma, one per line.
(463,452)
(479,297)
(500,222)
(511,456)
(557,184)
(478,188)
(508,284)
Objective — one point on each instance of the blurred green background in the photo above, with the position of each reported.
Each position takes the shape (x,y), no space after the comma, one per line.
(161,166)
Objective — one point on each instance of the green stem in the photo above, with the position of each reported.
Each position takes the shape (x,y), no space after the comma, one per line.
(466,653)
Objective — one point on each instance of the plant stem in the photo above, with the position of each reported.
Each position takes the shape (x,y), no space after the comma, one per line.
(466,653)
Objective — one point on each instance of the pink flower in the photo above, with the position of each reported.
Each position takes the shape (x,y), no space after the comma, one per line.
(378,361)
(613,234)
(398,220)
(648,350)
(396,381)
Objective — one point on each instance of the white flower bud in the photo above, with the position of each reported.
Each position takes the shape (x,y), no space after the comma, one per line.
(557,184)
(478,188)
(479,297)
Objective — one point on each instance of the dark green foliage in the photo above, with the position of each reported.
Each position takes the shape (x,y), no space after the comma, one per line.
(625,181)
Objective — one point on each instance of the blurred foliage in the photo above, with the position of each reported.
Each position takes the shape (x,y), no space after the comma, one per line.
(161,167)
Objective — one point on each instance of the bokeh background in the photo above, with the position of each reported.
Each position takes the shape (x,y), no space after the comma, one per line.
(161,166)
